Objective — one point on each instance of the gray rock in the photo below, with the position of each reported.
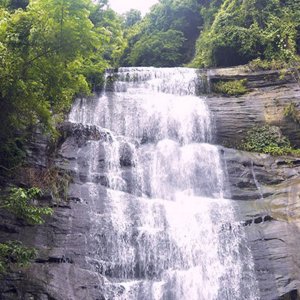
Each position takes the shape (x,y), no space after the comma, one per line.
(81,133)
(264,104)
(270,215)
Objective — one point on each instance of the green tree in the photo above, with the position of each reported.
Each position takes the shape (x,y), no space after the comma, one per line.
(161,49)
(109,24)
(168,16)
(132,17)
(240,31)
(51,52)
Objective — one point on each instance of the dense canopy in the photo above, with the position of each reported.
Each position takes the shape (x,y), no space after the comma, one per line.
(50,52)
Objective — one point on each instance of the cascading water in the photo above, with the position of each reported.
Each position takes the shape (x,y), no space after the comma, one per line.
(165,230)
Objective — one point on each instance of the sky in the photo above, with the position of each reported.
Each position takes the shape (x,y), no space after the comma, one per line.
(122,6)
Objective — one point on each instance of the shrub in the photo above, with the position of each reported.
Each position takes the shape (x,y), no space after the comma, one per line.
(14,253)
(20,202)
(51,180)
(231,88)
(268,139)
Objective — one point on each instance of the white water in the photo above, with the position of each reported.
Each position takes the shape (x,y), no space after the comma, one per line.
(166,231)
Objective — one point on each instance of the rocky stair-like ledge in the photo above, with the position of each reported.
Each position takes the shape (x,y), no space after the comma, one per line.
(269,94)
(255,79)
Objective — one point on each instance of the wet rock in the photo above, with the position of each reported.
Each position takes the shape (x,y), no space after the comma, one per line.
(271,216)
(126,154)
(60,270)
(256,79)
(82,133)
(264,104)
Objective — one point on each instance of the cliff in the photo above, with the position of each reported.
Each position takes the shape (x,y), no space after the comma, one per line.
(266,191)
(269,94)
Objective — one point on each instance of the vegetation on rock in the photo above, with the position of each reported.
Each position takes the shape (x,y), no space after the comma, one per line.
(14,253)
(268,139)
(231,88)
(264,65)
(291,111)
(21,202)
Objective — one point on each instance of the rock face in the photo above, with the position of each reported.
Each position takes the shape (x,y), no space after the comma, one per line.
(266,190)
(269,189)
(269,96)
(60,270)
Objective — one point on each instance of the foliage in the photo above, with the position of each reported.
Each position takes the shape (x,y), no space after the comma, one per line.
(276,150)
(268,139)
(20,202)
(262,65)
(291,111)
(109,25)
(14,253)
(231,88)
(50,52)
(168,19)
(132,17)
(162,49)
(229,32)
(240,31)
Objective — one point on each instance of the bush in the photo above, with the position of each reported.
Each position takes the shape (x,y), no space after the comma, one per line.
(268,139)
(231,88)
(14,253)
(50,180)
(20,202)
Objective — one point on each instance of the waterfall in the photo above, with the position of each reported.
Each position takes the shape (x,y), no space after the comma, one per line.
(164,230)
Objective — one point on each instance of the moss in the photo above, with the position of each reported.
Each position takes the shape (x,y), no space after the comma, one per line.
(231,88)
